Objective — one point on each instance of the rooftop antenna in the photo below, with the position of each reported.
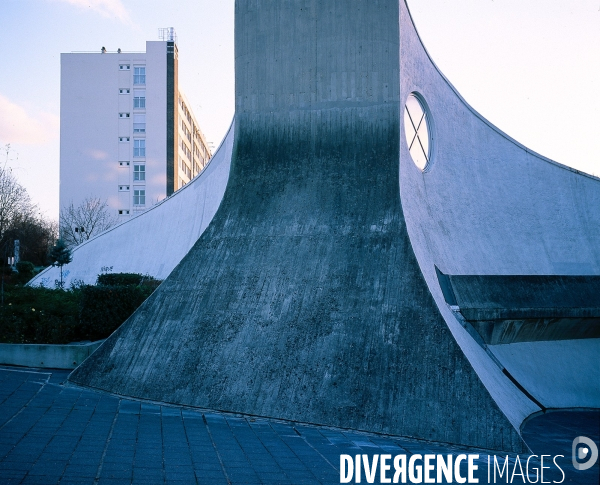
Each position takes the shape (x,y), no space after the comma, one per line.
(167,34)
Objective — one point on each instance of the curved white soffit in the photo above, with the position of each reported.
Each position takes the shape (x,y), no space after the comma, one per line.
(155,241)
(488,205)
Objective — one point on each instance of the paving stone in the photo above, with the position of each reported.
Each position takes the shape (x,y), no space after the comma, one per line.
(66,434)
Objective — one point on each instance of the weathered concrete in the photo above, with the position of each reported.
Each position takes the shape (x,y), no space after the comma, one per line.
(490,206)
(155,241)
(303,299)
(47,356)
(506,309)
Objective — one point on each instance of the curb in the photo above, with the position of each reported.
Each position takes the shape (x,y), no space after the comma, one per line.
(47,356)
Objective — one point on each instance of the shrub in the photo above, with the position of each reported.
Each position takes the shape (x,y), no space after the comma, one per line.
(26,271)
(124,279)
(25,268)
(105,308)
(39,315)
(85,312)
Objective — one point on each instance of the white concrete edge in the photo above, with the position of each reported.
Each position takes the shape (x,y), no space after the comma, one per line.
(198,178)
(511,401)
(567,380)
(486,121)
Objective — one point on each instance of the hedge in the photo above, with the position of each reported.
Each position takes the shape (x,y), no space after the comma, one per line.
(125,279)
(105,307)
(85,312)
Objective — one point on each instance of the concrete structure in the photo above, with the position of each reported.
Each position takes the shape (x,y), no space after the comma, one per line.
(127,133)
(47,356)
(177,222)
(382,254)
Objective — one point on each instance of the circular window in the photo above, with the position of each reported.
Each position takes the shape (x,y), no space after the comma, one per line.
(417,131)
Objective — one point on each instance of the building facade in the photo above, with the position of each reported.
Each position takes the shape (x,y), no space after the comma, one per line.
(127,133)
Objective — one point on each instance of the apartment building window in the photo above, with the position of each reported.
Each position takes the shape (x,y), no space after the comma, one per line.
(123,91)
(139,173)
(139,98)
(186,113)
(139,148)
(139,123)
(124,67)
(186,132)
(185,149)
(123,115)
(185,168)
(139,75)
(139,197)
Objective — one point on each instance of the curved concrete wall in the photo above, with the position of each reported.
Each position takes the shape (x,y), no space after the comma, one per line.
(303,299)
(490,206)
(155,241)
(560,374)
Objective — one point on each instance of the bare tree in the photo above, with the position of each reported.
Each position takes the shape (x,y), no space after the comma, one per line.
(14,200)
(14,203)
(91,217)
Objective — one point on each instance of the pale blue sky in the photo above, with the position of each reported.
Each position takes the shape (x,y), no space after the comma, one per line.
(532,67)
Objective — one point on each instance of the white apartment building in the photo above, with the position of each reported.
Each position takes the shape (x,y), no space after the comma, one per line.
(127,133)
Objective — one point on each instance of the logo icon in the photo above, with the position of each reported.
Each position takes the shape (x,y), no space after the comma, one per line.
(584,449)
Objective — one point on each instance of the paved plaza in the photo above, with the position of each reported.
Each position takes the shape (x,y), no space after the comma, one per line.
(56,434)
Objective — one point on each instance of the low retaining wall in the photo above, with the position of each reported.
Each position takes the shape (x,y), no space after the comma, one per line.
(48,356)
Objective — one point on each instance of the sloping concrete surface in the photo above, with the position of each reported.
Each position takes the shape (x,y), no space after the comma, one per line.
(303,299)
(487,205)
(155,241)
(312,295)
